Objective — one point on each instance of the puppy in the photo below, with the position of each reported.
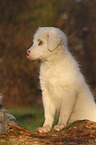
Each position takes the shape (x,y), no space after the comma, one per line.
(64,89)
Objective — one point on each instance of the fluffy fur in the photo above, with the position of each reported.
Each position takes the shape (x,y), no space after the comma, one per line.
(63,86)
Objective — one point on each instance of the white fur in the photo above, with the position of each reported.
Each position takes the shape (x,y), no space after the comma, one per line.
(63,86)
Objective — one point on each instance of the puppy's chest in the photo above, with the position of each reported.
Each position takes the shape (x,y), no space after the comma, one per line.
(50,82)
(47,75)
(49,78)
(55,78)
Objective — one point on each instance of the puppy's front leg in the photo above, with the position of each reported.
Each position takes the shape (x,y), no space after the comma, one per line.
(67,106)
(49,112)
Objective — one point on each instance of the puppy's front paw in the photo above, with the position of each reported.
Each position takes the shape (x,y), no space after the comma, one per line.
(44,129)
(59,127)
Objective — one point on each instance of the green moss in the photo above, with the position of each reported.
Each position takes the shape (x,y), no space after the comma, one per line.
(29,118)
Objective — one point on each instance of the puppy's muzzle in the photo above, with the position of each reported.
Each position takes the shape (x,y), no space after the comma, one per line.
(27,53)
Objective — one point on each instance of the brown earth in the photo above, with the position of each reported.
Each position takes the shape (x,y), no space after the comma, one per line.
(78,133)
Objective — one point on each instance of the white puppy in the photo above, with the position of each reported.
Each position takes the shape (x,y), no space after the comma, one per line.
(63,86)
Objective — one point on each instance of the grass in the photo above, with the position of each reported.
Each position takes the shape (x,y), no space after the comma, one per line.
(28,117)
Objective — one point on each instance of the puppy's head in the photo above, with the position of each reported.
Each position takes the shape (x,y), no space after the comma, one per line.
(45,41)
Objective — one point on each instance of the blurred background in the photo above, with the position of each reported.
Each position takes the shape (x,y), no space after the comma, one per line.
(19,20)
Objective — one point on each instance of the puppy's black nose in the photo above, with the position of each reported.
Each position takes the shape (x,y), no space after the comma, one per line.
(27,53)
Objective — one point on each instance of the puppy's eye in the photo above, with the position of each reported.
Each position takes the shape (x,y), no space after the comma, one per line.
(40,43)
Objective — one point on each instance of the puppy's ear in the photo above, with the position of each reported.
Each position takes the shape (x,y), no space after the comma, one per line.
(53,40)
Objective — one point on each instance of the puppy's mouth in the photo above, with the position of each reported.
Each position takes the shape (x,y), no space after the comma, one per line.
(34,58)
(30,58)
(27,56)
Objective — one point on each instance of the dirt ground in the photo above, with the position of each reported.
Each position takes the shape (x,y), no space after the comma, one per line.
(78,133)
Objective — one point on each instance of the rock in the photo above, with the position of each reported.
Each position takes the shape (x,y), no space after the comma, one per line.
(5,120)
